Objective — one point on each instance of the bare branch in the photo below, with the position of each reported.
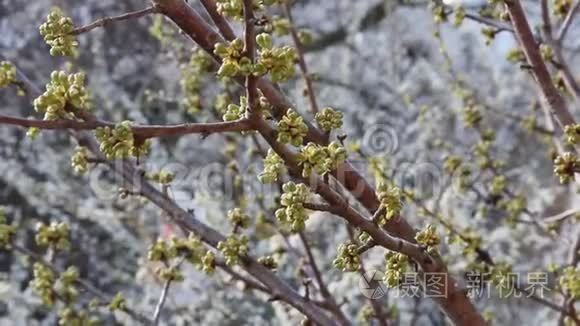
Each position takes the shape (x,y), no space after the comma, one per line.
(321,285)
(107,20)
(162,298)
(301,59)
(221,23)
(567,22)
(538,67)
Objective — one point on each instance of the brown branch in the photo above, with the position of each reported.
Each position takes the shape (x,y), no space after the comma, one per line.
(538,67)
(250,51)
(321,208)
(490,22)
(144,131)
(301,59)
(107,20)
(560,61)
(221,23)
(567,22)
(321,285)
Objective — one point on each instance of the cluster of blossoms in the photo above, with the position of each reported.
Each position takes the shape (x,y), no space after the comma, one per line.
(428,238)
(236,112)
(472,116)
(79,160)
(489,34)
(273,167)
(562,7)
(572,133)
(190,248)
(234,248)
(65,96)
(7,231)
(279,62)
(391,198)
(498,184)
(162,177)
(235,8)
(268,262)
(482,154)
(396,266)
(234,61)
(221,103)
(57,33)
(451,163)
(238,218)
(42,283)
(119,142)
(291,128)
(7,73)
(347,258)
(292,213)
(565,165)
(191,82)
(65,285)
(514,207)
(118,302)
(570,281)
(55,235)
(320,159)
(72,317)
(547,52)
(50,288)
(516,56)
(459,16)
(280,26)
(328,119)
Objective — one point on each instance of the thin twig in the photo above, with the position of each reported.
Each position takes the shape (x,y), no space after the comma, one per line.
(567,22)
(301,60)
(321,285)
(107,20)
(490,22)
(161,302)
(219,20)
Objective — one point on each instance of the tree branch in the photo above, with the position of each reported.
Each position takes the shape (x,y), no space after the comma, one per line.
(161,302)
(538,67)
(107,20)
(144,131)
(321,285)
(567,22)
(221,23)
(301,59)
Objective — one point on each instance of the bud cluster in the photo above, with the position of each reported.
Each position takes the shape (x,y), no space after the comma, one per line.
(292,213)
(64,98)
